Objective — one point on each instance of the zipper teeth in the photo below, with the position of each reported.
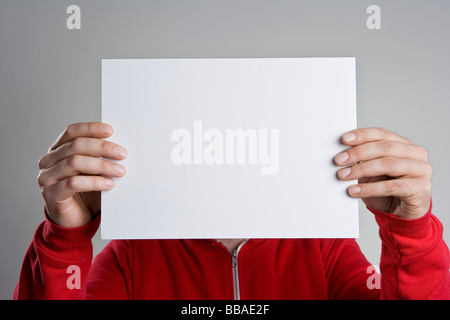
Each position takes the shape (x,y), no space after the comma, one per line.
(234,265)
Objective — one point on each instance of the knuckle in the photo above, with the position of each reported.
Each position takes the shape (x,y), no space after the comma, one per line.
(362,133)
(68,131)
(45,192)
(391,163)
(76,145)
(368,189)
(407,140)
(71,183)
(105,147)
(73,162)
(93,127)
(386,147)
(41,162)
(427,184)
(358,169)
(357,152)
(40,178)
(423,152)
(97,183)
(379,132)
(391,186)
(429,169)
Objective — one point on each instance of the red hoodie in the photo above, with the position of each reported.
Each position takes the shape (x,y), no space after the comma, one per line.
(415,264)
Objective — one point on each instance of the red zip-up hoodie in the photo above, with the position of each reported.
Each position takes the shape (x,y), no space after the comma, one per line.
(415,264)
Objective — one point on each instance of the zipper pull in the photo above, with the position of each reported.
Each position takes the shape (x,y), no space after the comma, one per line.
(233,258)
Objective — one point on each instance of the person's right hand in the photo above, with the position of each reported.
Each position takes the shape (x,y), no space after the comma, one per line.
(72,174)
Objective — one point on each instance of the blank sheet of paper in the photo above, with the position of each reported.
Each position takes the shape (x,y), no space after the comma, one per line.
(229,148)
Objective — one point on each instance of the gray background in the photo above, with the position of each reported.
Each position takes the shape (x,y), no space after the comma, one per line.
(50,77)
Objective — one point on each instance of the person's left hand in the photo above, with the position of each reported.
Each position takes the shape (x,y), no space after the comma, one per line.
(393,174)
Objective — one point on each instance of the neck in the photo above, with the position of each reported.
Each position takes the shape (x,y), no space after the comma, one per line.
(231,244)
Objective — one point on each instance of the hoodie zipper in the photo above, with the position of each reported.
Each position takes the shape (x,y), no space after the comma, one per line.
(234,266)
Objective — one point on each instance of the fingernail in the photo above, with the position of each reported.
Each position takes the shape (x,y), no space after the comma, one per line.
(105,129)
(120,152)
(119,170)
(109,183)
(341,157)
(344,172)
(355,189)
(349,137)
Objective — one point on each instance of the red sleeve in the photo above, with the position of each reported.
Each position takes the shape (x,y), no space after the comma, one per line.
(57,262)
(415,260)
(347,271)
(110,275)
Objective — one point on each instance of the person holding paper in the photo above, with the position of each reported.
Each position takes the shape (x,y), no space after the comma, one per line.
(394,182)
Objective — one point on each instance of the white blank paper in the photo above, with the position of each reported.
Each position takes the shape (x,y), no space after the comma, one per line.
(229,148)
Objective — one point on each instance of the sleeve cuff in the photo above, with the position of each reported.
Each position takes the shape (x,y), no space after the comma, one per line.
(66,243)
(408,236)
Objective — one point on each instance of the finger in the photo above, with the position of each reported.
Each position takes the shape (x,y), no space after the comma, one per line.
(76,165)
(83,129)
(363,135)
(379,149)
(83,146)
(67,188)
(389,166)
(401,188)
